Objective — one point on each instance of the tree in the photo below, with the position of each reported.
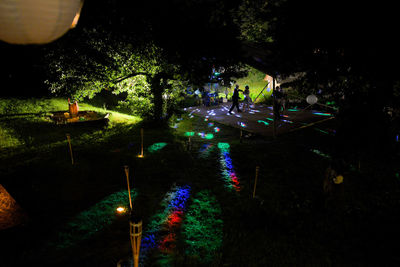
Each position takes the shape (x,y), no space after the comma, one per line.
(133,55)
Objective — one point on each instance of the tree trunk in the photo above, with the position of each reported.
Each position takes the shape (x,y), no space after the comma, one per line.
(157,91)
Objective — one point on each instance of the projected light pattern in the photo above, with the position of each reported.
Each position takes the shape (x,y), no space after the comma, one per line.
(322,114)
(287,121)
(238,116)
(228,173)
(261,121)
(210,124)
(322,131)
(270,119)
(397,138)
(216,129)
(156,146)
(242,124)
(202,228)
(285,116)
(316,151)
(164,226)
(207,136)
(270,108)
(205,150)
(92,220)
(206,119)
(293,109)
(189,134)
(211,113)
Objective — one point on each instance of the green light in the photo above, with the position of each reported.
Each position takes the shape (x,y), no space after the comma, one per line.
(261,121)
(223,146)
(320,153)
(92,220)
(323,114)
(321,131)
(397,175)
(293,109)
(202,230)
(156,146)
(270,119)
(209,136)
(189,134)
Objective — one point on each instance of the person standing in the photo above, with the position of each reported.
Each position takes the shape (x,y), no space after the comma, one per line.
(235,99)
(247,100)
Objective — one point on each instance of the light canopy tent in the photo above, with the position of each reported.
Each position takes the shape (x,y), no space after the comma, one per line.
(11,214)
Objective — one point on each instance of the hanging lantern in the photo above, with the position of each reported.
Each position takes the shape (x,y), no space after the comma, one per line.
(37,21)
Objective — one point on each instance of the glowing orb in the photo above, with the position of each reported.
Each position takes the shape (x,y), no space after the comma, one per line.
(311,99)
(121,209)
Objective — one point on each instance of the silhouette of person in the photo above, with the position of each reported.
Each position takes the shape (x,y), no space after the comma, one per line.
(235,99)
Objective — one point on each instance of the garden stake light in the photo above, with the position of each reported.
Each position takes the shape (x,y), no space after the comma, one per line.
(136,238)
(255,181)
(70,148)
(129,189)
(141,134)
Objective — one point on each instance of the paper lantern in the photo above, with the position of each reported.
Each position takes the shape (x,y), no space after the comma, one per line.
(37,21)
(311,99)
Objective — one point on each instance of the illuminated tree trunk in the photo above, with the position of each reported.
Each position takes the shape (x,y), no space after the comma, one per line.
(157,91)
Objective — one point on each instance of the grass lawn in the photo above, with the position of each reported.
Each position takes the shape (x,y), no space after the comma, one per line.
(195,198)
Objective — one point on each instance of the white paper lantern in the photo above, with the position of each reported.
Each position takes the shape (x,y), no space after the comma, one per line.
(311,99)
(37,21)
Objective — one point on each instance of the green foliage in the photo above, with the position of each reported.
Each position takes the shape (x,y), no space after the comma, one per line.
(105,61)
(92,220)
(202,228)
(256,19)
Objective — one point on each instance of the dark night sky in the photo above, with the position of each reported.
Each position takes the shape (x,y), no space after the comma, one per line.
(368,26)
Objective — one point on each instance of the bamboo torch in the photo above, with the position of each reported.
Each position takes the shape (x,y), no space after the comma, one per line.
(141,134)
(70,148)
(129,188)
(136,238)
(255,181)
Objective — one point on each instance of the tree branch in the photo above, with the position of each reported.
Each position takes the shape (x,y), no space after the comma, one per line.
(120,79)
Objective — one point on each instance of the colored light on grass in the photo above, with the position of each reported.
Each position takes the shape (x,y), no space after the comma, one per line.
(397,138)
(223,146)
(189,134)
(228,172)
(242,124)
(206,119)
(209,136)
(323,114)
(156,146)
(163,227)
(270,119)
(210,124)
(285,116)
(205,150)
(293,109)
(322,131)
(287,121)
(320,153)
(261,121)
(216,129)
(91,221)
(202,229)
